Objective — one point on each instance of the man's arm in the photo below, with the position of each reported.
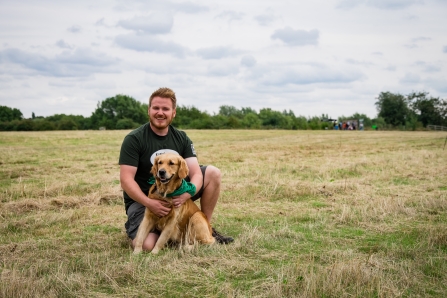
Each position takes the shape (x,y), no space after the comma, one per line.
(128,184)
(195,177)
(195,174)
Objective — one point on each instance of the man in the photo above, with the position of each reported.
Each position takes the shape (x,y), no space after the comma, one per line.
(137,155)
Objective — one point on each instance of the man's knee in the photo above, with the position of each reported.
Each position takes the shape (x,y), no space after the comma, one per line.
(213,175)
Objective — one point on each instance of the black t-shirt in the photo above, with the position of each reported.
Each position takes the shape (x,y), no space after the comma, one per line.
(142,145)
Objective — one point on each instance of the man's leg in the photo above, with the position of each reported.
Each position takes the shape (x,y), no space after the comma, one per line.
(211,191)
(149,242)
(135,215)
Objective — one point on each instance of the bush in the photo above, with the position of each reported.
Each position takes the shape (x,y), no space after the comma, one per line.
(25,125)
(41,125)
(126,123)
(67,124)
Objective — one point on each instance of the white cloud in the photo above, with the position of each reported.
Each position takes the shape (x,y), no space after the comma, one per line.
(380,4)
(248,61)
(74,29)
(62,44)
(149,43)
(357,62)
(392,4)
(217,52)
(80,62)
(266,19)
(410,78)
(222,69)
(230,15)
(303,56)
(391,68)
(306,74)
(421,38)
(297,37)
(155,23)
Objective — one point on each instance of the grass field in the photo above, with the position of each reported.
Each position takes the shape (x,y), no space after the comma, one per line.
(313,214)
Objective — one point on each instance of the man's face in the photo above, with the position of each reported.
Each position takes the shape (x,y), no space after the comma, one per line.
(161,112)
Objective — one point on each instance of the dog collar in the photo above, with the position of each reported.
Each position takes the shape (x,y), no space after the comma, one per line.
(185,187)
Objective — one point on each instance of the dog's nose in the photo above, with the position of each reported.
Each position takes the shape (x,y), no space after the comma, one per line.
(162,173)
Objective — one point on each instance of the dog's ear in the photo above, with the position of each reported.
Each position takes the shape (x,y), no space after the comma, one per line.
(154,169)
(183,168)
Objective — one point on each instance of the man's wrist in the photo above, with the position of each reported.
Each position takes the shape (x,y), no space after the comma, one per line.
(191,189)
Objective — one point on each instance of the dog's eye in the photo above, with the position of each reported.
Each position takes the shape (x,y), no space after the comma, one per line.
(171,163)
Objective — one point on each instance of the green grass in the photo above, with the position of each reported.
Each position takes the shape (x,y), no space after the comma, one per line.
(308,221)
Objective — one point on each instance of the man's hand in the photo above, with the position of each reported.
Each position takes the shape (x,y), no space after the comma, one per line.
(159,208)
(181,199)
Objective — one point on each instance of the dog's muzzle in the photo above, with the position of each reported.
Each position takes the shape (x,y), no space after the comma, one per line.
(162,176)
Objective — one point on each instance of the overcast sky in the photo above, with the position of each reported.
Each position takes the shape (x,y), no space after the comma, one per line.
(311,57)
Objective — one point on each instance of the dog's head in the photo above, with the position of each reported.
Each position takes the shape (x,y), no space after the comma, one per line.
(167,166)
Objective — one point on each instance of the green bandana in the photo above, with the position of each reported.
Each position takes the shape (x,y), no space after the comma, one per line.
(185,187)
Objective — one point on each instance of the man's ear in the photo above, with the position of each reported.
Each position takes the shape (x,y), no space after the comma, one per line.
(183,168)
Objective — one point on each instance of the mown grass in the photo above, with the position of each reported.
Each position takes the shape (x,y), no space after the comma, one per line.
(314,214)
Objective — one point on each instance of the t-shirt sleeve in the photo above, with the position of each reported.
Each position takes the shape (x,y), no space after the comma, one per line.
(189,150)
(129,154)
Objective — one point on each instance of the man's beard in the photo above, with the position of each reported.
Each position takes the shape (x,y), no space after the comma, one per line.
(157,126)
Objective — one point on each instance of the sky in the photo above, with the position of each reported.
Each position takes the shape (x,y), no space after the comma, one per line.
(315,57)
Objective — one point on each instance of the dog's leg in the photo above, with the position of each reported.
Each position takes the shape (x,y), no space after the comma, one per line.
(165,235)
(199,229)
(147,224)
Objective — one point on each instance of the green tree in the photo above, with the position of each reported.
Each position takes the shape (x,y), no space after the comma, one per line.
(219,121)
(43,124)
(246,111)
(25,125)
(315,123)
(113,109)
(251,120)
(8,114)
(126,124)
(429,110)
(392,108)
(205,123)
(379,122)
(270,118)
(229,111)
(67,124)
(188,114)
(300,122)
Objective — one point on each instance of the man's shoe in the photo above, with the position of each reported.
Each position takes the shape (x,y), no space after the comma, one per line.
(221,239)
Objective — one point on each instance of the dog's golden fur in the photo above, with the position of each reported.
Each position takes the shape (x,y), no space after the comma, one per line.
(185,224)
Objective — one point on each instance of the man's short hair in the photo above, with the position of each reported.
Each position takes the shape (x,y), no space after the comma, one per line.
(164,93)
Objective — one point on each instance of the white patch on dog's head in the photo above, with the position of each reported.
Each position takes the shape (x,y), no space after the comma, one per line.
(160,152)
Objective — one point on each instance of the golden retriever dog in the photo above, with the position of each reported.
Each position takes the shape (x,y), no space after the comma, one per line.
(185,224)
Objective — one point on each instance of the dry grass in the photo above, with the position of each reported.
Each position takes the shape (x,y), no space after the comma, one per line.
(314,214)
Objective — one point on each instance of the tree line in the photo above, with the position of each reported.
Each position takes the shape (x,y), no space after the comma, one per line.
(395,111)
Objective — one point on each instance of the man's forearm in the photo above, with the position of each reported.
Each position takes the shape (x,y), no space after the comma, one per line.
(133,190)
(197,181)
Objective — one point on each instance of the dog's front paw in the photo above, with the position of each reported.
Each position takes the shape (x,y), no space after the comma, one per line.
(137,250)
